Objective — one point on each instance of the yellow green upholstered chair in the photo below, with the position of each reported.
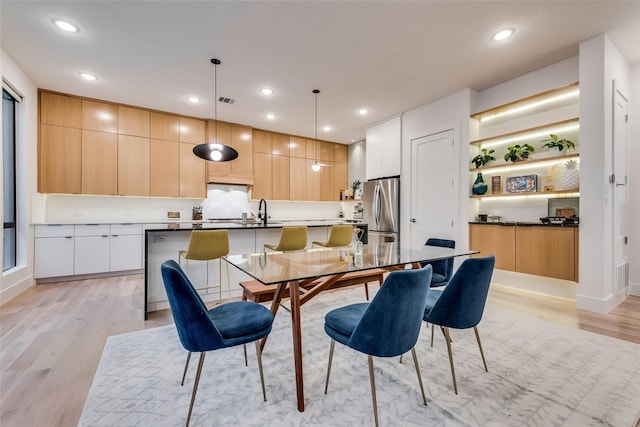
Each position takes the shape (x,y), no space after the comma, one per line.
(341,235)
(291,239)
(208,245)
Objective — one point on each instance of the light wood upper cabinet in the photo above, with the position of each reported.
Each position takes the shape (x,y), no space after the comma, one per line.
(281,186)
(164,168)
(297,146)
(262,141)
(297,185)
(99,163)
(242,141)
(341,153)
(310,149)
(165,127)
(312,183)
(327,185)
(280,144)
(192,130)
(240,170)
(133,121)
(192,173)
(133,166)
(218,169)
(326,151)
(99,116)
(341,179)
(60,161)
(263,182)
(60,110)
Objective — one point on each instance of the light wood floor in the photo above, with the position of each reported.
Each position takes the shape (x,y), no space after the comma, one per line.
(52,336)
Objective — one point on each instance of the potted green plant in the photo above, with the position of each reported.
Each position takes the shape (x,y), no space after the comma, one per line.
(354,187)
(555,143)
(518,152)
(485,156)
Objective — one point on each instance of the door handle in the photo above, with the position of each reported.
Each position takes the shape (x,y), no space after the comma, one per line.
(413,220)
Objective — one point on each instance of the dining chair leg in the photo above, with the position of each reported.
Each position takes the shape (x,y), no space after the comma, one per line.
(432,328)
(186,366)
(246,362)
(259,354)
(195,387)
(475,329)
(415,362)
(447,337)
(326,384)
(373,390)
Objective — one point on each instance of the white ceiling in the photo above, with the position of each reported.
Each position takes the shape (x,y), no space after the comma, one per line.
(390,56)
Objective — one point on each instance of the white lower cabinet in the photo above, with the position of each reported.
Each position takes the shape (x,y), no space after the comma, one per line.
(91,254)
(126,247)
(54,251)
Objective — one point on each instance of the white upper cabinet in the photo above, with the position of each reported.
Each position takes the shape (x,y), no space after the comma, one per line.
(383,149)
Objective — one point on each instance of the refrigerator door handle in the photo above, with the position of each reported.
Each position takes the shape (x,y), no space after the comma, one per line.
(376,206)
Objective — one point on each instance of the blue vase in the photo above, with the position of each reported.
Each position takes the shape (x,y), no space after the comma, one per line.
(479,186)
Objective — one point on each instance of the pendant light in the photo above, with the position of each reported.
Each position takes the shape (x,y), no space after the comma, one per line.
(315,166)
(214,151)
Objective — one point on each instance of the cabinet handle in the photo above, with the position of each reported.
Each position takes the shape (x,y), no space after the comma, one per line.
(413,220)
(114,235)
(105,235)
(68,237)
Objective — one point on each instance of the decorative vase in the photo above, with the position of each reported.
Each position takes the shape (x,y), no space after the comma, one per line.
(570,177)
(479,186)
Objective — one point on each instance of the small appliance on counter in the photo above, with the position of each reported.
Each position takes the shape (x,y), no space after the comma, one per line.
(560,220)
(562,211)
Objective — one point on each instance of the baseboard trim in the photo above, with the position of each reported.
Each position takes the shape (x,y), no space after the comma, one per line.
(603,306)
(8,294)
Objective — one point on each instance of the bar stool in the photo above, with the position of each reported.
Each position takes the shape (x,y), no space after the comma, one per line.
(208,245)
(291,239)
(340,235)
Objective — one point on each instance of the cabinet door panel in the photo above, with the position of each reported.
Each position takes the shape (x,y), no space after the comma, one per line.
(221,134)
(60,160)
(311,183)
(374,152)
(133,121)
(53,257)
(326,152)
(133,166)
(261,141)
(99,116)
(341,154)
(297,146)
(192,130)
(280,144)
(164,126)
(281,184)
(297,184)
(311,147)
(262,170)
(60,110)
(164,168)
(495,240)
(391,146)
(340,179)
(546,251)
(125,252)
(99,163)
(192,179)
(242,142)
(91,254)
(327,184)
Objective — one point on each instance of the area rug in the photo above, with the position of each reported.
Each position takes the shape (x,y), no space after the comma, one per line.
(540,374)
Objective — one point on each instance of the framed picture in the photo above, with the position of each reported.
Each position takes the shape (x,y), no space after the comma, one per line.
(522,184)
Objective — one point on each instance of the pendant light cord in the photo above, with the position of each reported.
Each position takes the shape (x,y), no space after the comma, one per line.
(215,63)
(316,91)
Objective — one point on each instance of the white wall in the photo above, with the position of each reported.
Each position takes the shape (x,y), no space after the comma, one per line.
(600,64)
(634,181)
(20,278)
(447,113)
(357,161)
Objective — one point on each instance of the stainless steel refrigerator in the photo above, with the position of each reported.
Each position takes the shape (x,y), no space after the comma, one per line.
(381,209)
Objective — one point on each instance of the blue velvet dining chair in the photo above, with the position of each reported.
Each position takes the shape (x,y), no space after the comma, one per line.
(442,269)
(201,330)
(460,304)
(388,326)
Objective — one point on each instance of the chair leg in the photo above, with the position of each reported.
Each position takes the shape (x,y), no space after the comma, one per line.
(326,384)
(475,329)
(432,328)
(259,354)
(447,337)
(195,386)
(415,362)
(186,365)
(373,390)
(246,362)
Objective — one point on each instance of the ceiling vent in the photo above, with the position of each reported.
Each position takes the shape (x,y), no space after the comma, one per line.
(226,100)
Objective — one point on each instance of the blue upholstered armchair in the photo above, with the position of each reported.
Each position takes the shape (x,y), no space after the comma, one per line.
(201,330)
(388,326)
(460,304)
(442,269)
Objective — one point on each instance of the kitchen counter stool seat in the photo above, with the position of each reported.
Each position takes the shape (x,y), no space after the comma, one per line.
(291,239)
(208,245)
(341,235)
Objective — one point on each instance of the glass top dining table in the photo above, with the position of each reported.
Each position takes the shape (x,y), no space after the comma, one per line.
(322,267)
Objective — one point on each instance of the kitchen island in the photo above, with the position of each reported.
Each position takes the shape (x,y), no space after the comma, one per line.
(163,242)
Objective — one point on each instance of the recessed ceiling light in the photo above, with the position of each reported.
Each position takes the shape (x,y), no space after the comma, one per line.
(266,91)
(503,34)
(326,128)
(363,111)
(271,116)
(88,76)
(194,99)
(65,26)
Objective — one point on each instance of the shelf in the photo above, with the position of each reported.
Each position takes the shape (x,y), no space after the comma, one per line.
(526,163)
(536,194)
(543,101)
(531,133)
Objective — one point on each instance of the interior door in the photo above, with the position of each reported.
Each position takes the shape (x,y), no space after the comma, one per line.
(434,204)
(620,192)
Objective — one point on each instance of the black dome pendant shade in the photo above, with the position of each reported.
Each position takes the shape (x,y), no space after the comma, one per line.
(215,152)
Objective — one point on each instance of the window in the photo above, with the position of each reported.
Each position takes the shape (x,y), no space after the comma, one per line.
(9,179)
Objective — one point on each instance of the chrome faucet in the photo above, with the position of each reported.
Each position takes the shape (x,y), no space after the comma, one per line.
(262,216)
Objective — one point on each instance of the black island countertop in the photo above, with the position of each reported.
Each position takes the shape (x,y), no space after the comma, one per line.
(523,224)
(237,225)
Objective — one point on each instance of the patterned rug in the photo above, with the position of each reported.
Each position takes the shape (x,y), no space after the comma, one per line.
(540,374)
